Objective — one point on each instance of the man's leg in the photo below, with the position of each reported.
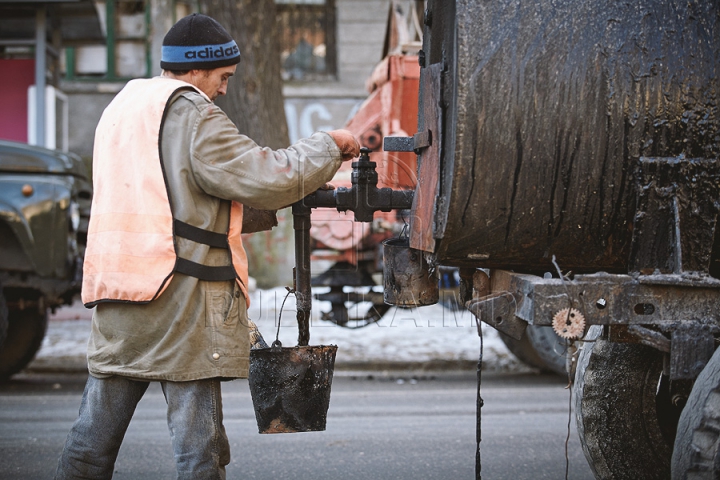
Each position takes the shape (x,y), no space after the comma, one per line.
(92,445)
(195,420)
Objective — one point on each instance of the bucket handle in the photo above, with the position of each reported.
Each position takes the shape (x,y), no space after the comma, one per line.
(404,232)
(277,344)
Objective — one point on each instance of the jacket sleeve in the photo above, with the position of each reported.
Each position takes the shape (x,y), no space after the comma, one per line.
(229,165)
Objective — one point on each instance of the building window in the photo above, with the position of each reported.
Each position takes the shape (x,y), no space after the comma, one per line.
(123,50)
(307,39)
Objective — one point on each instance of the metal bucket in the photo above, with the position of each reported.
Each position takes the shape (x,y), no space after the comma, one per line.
(290,387)
(408,281)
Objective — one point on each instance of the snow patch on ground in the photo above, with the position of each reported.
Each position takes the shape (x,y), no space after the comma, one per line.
(419,335)
(432,335)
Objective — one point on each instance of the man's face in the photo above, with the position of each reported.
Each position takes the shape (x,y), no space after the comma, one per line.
(212,83)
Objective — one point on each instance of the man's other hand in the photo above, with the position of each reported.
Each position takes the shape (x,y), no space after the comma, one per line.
(348,144)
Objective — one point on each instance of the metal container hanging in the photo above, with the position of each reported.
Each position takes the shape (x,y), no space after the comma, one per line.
(407,276)
(290,387)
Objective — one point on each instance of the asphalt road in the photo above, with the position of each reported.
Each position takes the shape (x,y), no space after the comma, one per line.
(379,427)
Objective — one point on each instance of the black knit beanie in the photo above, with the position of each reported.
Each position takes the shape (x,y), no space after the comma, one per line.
(198,42)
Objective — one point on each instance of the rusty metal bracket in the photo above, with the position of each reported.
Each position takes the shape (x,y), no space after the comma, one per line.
(646,309)
(398,144)
(499,308)
(607,299)
(651,338)
(499,311)
(692,345)
(408,144)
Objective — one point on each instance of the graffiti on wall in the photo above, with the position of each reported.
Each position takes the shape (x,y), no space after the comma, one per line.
(306,116)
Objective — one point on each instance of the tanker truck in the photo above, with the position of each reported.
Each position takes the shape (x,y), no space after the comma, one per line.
(570,149)
(352,251)
(568,166)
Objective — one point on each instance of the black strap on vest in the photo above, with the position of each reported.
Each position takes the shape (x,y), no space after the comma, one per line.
(206,237)
(204,272)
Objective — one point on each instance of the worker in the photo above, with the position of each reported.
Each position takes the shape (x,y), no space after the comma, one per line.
(165,267)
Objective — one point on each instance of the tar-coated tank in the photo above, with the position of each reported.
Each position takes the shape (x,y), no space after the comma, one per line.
(546,109)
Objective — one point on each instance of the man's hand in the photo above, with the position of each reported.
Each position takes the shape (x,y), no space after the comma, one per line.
(348,144)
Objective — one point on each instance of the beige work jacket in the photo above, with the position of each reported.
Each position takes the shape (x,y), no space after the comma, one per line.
(198,329)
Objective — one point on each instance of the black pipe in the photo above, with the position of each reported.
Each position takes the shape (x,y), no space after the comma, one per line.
(363,198)
(301,225)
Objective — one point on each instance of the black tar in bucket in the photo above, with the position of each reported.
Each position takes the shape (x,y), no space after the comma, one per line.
(290,387)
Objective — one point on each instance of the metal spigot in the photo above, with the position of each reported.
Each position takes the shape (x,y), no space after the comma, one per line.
(363,198)
(364,172)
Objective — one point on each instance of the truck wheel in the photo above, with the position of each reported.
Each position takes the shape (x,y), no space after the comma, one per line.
(549,347)
(523,350)
(697,452)
(618,396)
(540,347)
(26,330)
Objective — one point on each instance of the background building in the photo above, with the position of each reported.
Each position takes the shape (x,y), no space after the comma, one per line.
(90,49)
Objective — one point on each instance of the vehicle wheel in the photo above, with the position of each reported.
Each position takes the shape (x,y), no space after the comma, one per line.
(619,393)
(540,347)
(523,350)
(697,444)
(356,308)
(340,314)
(3,319)
(549,347)
(26,330)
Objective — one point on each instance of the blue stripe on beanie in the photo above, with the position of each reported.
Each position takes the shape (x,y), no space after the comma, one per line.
(200,53)
(198,42)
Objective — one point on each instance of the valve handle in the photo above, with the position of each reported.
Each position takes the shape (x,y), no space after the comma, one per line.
(365,154)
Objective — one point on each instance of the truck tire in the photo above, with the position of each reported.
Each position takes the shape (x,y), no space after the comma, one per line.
(549,347)
(697,452)
(26,330)
(523,350)
(617,401)
(538,348)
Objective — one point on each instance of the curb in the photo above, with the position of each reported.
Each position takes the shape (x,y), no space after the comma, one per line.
(77,364)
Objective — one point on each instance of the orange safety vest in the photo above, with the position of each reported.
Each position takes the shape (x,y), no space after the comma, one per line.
(131,253)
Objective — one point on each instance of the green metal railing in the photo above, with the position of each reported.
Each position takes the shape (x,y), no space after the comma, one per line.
(111,42)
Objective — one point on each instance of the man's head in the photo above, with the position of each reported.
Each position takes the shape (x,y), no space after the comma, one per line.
(212,83)
(198,50)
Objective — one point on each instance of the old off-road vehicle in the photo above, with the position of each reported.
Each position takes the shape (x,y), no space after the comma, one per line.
(44,210)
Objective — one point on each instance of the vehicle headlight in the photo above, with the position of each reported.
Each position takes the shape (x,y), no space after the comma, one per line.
(74,215)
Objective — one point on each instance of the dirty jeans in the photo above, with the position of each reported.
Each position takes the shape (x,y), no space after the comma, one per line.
(194,417)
